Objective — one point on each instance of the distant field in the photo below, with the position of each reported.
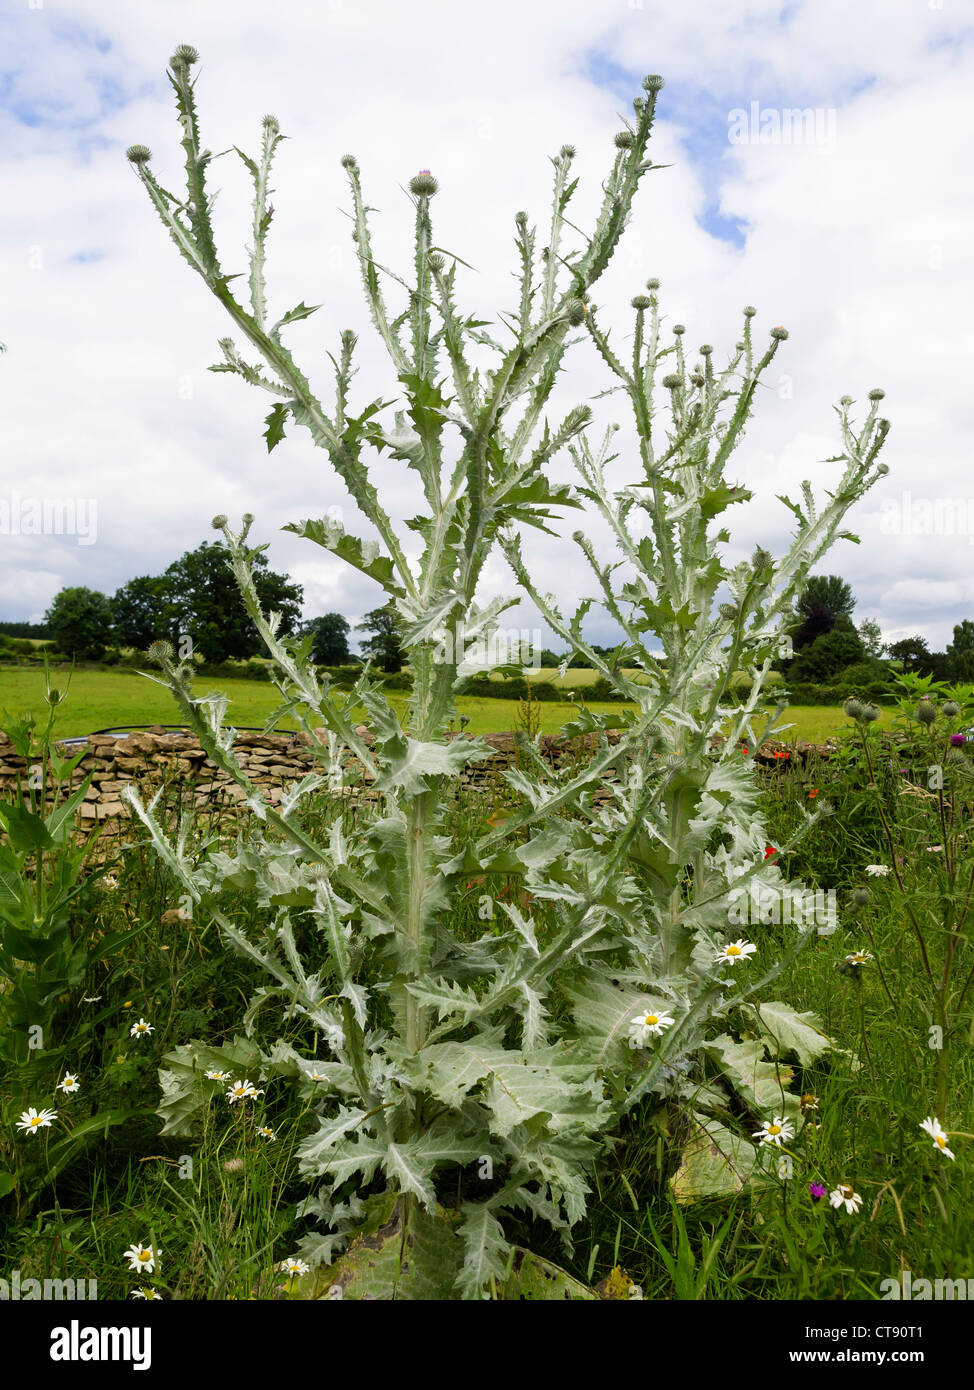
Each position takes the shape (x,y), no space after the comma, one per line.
(104,699)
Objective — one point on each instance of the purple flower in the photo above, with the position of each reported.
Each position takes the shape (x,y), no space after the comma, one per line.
(957,740)
(817,1191)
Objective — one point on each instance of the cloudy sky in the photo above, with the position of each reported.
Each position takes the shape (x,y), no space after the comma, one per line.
(857,237)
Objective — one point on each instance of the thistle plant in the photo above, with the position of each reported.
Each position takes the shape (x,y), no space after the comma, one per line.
(700,857)
(440,1051)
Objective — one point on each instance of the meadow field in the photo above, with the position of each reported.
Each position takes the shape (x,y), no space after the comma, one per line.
(102,699)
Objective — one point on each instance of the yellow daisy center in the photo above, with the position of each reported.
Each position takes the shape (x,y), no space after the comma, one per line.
(774,1129)
(651,1020)
(940,1139)
(145,1256)
(35,1121)
(733,950)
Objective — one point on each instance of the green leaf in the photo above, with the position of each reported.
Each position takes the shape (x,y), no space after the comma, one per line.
(485,1249)
(362,555)
(275,425)
(790,1031)
(402,1253)
(716,1163)
(538,1280)
(27,832)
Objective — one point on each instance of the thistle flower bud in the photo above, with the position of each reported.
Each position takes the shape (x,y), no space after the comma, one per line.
(705,349)
(349,162)
(854,708)
(521,218)
(951,708)
(219,521)
(779,333)
(160,652)
(882,469)
(641,301)
(761,559)
(578,537)
(54,696)
(568,152)
(653,83)
(956,757)
(272,124)
(184,57)
(435,261)
(248,518)
(679,329)
(860,897)
(728,611)
(740,346)
(876,394)
(671,381)
(423,184)
(574,311)
(926,712)
(697,378)
(623,141)
(749,311)
(845,400)
(871,713)
(652,283)
(138,154)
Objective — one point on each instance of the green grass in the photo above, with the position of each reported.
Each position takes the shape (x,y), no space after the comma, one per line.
(100,699)
(223,1224)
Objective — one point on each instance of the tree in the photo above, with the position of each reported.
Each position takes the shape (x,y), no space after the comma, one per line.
(872,637)
(960,652)
(329,634)
(206,602)
(385,644)
(829,654)
(142,611)
(80,621)
(913,652)
(824,599)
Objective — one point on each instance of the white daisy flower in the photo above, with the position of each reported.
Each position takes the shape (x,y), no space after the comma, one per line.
(293,1267)
(316,1076)
(877,870)
(218,1076)
(933,1127)
(140,1029)
(776,1131)
(147,1292)
(737,950)
(266,1132)
(92,999)
(142,1258)
(109,882)
(858,958)
(845,1196)
(242,1090)
(648,1025)
(70,1084)
(32,1120)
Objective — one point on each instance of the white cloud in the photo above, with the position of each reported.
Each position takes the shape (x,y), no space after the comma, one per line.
(860,251)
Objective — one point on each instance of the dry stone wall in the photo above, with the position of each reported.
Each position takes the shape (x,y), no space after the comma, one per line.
(273,762)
